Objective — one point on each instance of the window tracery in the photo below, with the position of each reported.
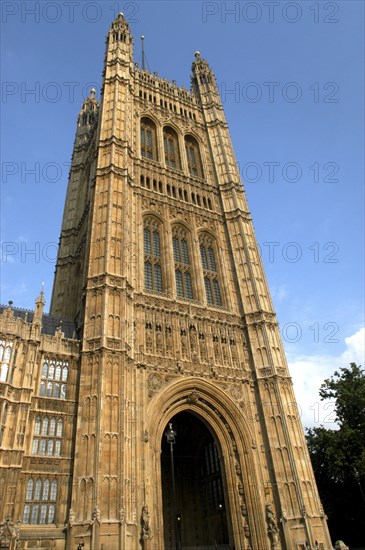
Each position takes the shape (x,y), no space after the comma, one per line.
(54,378)
(210,270)
(184,288)
(148,139)
(5,355)
(40,501)
(193,156)
(47,440)
(152,255)
(171,148)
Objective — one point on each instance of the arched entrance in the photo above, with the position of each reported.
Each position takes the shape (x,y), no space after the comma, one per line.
(200,501)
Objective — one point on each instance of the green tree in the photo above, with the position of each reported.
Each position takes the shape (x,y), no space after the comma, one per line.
(338,456)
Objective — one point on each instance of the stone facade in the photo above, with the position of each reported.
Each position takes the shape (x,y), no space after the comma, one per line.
(169,320)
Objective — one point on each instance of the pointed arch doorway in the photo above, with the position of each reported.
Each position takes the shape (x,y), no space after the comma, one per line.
(202,519)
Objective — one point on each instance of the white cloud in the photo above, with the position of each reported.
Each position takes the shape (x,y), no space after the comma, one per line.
(279,293)
(355,352)
(13,292)
(308,373)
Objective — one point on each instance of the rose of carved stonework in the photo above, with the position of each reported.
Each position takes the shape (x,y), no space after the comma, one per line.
(154,382)
(236,392)
(193,397)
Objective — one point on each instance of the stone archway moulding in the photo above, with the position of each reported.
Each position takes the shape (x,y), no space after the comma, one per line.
(245,487)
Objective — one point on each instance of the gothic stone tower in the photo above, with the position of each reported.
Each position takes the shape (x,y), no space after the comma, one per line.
(159,269)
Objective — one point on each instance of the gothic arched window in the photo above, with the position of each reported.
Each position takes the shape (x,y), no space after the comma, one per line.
(5,354)
(54,379)
(47,438)
(152,255)
(148,139)
(180,246)
(210,271)
(171,148)
(40,501)
(193,157)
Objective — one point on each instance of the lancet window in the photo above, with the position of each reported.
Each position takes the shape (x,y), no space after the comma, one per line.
(40,499)
(171,148)
(193,156)
(148,139)
(54,378)
(210,270)
(183,278)
(5,356)
(3,421)
(152,255)
(47,438)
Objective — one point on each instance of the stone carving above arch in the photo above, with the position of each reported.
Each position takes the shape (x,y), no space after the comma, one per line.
(235,392)
(154,383)
(193,397)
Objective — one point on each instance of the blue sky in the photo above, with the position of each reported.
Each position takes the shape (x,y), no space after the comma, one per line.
(291,76)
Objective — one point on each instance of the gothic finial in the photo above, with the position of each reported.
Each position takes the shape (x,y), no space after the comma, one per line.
(39,306)
(143,57)
(40,298)
(92,92)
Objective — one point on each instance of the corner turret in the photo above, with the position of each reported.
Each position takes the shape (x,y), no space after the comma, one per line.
(120,41)
(202,78)
(88,114)
(39,307)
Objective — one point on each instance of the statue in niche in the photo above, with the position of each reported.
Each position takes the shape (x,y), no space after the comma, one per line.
(71,518)
(272,527)
(149,336)
(95,516)
(159,342)
(145,521)
(216,349)
(169,346)
(225,349)
(246,355)
(9,534)
(203,346)
(233,348)
(193,339)
(184,343)
(122,515)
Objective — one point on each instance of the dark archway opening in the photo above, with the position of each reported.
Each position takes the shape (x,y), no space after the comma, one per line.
(201,512)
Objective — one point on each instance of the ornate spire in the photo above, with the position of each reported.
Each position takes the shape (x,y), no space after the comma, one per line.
(202,73)
(89,111)
(119,26)
(39,307)
(120,42)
